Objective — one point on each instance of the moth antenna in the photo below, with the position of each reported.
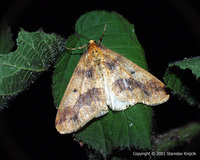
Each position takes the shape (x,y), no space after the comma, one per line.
(76,48)
(78,35)
(100,39)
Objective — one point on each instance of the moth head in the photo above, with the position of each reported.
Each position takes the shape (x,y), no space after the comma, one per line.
(91,42)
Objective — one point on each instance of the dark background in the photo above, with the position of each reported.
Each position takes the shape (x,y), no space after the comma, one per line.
(168,30)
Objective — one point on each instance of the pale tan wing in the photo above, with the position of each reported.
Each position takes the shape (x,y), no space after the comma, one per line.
(127,84)
(83,99)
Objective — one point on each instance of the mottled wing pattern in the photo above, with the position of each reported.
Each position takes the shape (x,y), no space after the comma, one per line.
(103,77)
(127,84)
(84,97)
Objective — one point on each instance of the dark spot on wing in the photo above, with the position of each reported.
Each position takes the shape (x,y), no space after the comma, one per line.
(72,113)
(79,72)
(155,86)
(75,90)
(89,72)
(132,72)
(120,84)
(74,117)
(88,97)
(130,84)
(67,114)
(110,65)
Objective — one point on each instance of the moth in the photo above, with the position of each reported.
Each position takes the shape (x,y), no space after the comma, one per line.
(105,78)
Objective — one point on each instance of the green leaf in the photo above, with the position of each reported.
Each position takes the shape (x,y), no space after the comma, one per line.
(6,44)
(183,78)
(176,137)
(129,128)
(34,54)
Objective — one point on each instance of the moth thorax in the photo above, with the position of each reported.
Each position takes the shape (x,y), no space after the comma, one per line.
(94,52)
(95,56)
